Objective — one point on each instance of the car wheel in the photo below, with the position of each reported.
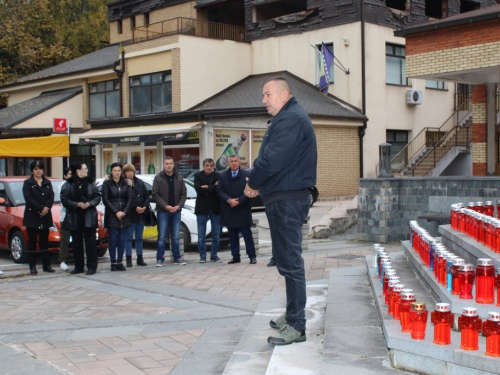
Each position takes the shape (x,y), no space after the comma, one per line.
(187,235)
(18,248)
(102,252)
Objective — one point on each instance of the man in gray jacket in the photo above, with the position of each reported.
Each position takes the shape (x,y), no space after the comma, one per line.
(169,192)
(283,173)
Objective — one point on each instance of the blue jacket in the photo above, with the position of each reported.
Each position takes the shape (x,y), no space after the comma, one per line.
(288,157)
(229,187)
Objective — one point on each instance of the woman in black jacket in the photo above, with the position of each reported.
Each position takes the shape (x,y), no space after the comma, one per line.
(140,204)
(80,196)
(39,198)
(117,198)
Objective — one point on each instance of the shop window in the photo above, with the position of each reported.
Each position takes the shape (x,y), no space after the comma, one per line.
(396,4)
(398,139)
(395,65)
(438,85)
(467,6)
(319,65)
(151,93)
(104,98)
(187,160)
(435,8)
(119,27)
(273,9)
(23,166)
(3,167)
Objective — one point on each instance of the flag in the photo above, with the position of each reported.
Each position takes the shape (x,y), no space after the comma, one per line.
(327,58)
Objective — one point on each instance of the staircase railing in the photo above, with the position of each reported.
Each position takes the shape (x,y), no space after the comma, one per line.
(457,136)
(428,137)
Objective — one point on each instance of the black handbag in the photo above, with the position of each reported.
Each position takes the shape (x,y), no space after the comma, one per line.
(151,219)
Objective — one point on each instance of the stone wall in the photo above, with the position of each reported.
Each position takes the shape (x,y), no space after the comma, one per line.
(386,205)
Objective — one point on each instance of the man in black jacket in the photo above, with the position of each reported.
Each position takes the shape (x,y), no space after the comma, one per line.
(283,173)
(207,207)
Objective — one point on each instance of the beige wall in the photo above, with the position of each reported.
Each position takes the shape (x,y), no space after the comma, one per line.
(208,66)
(386,104)
(20,95)
(151,63)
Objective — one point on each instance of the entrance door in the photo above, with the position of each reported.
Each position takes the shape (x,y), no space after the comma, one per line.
(132,156)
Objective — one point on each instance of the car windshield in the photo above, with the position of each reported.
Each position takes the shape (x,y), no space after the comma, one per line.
(16,189)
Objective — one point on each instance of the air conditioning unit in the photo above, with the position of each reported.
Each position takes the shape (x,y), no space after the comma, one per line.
(414,97)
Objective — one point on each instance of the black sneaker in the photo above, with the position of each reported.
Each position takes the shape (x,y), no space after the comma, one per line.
(216,259)
(253,261)
(234,260)
(120,267)
(271,263)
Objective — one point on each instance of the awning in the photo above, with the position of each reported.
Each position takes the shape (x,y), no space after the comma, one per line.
(54,145)
(152,133)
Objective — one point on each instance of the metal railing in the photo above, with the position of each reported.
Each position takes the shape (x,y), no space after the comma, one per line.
(189,26)
(457,136)
(428,137)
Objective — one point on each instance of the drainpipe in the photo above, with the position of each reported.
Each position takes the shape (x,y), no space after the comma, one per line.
(120,73)
(362,129)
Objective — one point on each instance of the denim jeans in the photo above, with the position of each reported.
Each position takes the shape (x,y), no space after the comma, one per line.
(168,220)
(138,228)
(285,222)
(234,241)
(116,237)
(202,230)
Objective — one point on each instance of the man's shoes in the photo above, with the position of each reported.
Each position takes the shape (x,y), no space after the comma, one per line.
(114,267)
(75,271)
(287,335)
(271,263)
(253,261)
(179,262)
(203,259)
(278,323)
(48,268)
(33,271)
(140,261)
(159,263)
(90,272)
(120,267)
(216,259)
(63,266)
(234,260)
(129,261)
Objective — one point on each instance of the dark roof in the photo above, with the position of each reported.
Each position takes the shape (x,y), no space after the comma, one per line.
(246,96)
(101,59)
(23,111)
(478,15)
(202,3)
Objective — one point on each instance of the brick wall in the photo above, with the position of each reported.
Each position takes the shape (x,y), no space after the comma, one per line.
(479,131)
(385,206)
(176,80)
(338,160)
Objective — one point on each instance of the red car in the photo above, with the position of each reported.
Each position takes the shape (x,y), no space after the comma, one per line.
(13,234)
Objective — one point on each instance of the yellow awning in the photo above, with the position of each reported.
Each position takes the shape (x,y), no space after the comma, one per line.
(54,145)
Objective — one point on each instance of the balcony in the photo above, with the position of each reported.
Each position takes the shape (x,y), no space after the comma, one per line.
(189,26)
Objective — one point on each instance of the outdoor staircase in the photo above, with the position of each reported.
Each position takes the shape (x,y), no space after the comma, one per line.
(433,149)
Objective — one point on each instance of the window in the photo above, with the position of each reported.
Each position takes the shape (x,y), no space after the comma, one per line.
(435,8)
(146,19)
(104,98)
(151,93)
(319,69)
(396,4)
(278,8)
(398,139)
(132,22)
(119,26)
(438,85)
(467,6)
(395,65)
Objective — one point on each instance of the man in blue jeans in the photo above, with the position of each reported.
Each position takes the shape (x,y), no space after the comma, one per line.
(169,192)
(283,173)
(207,207)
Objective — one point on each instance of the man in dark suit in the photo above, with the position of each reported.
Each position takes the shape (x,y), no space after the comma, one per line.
(236,213)
(207,207)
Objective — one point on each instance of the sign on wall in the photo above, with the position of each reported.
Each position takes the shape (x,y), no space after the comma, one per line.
(60,125)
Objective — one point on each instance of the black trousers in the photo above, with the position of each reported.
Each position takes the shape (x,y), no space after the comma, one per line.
(79,236)
(40,236)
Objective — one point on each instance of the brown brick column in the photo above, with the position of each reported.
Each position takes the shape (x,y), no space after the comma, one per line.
(479,130)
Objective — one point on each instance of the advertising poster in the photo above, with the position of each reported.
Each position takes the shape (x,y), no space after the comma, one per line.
(257,136)
(228,142)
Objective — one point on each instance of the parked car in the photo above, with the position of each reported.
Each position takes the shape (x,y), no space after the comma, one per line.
(189,226)
(13,235)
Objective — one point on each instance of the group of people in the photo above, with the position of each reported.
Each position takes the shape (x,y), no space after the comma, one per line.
(282,174)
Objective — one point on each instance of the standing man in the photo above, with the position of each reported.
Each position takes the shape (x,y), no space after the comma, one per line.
(283,173)
(207,207)
(169,193)
(236,213)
